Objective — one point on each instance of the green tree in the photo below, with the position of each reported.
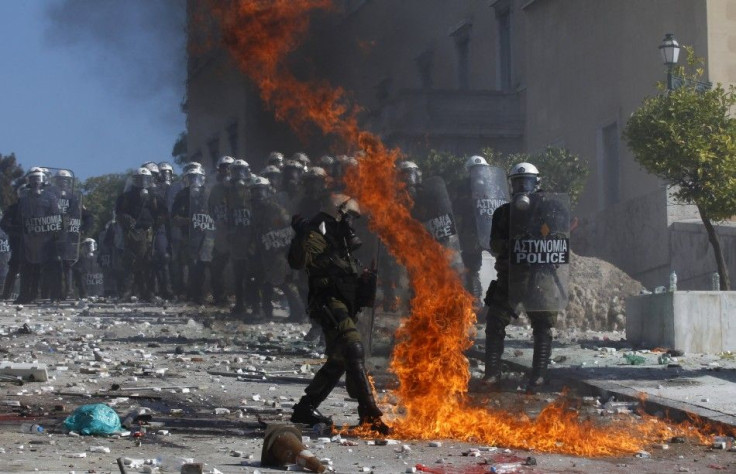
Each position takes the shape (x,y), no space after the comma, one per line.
(687,137)
(99,195)
(439,163)
(560,170)
(10,170)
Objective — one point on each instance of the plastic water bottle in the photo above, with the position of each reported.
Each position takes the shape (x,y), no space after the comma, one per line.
(715,281)
(673,281)
(32,428)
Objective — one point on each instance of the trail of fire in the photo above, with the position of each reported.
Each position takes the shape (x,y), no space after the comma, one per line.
(428,358)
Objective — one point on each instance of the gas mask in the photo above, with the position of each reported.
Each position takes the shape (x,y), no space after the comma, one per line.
(345,224)
(521,188)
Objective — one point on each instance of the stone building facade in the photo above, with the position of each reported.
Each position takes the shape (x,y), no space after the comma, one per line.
(515,75)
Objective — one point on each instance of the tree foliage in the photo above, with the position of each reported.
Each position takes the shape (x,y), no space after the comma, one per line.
(687,137)
(439,163)
(100,193)
(10,170)
(560,170)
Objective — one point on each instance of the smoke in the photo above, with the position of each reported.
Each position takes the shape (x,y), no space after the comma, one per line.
(136,47)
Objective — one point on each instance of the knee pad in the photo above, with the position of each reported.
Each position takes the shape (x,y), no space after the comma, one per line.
(354,351)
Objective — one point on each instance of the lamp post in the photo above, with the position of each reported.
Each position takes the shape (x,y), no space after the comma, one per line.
(670,49)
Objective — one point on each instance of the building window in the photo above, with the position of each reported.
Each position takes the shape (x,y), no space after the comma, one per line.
(610,165)
(461,36)
(232,138)
(503,19)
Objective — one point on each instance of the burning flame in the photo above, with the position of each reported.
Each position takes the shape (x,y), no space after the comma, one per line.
(428,358)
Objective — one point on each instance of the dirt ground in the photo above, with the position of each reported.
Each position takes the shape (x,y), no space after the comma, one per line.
(212,383)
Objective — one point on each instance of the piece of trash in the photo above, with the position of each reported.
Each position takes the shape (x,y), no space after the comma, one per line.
(33,372)
(506,468)
(32,428)
(643,454)
(633,359)
(93,419)
(99,449)
(76,455)
(222,411)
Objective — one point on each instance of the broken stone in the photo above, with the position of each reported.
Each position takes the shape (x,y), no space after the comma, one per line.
(435,444)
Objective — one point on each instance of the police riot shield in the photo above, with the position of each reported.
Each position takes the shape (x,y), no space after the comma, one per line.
(90,276)
(240,223)
(433,208)
(488,189)
(201,225)
(539,253)
(218,211)
(274,234)
(42,223)
(69,198)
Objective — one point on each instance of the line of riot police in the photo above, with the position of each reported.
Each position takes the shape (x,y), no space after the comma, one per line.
(41,241)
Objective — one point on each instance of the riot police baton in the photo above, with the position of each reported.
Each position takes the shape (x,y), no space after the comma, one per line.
(374,264)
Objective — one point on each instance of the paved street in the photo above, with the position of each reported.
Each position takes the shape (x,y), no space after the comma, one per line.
(212,383)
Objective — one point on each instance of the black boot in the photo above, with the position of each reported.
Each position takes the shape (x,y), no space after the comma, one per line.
(540,360)
(495,335)
(368,411)
(319,388)
(305,412)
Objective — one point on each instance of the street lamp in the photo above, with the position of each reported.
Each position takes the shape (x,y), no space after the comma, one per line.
(670,49)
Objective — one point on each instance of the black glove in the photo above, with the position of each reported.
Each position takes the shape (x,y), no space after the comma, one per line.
(298,223)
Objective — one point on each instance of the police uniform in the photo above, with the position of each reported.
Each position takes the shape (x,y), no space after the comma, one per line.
(139,214)
(333,279)
(500,311)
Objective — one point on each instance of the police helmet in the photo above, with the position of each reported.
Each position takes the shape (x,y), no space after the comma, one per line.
(524,178)
(275,158)
(475,160)
(240,170)
(225,161)
(143,178)
(195,177)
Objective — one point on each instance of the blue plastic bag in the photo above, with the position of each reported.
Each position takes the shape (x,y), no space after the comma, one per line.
(96,419)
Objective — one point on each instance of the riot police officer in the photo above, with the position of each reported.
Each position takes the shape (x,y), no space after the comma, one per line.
(291,185)
(276,159)
(139,212)
(12,225)
(191,214)
(323,246)
(219,212)
(42,223)
(524,182)
(273,175)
